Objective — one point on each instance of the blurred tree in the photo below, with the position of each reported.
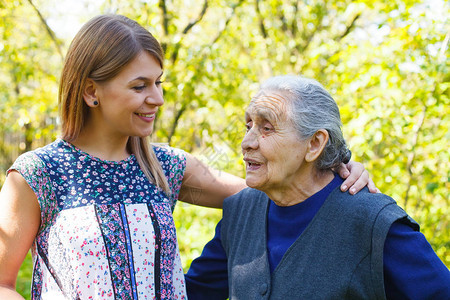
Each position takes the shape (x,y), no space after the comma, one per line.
(30,60)
(385,62)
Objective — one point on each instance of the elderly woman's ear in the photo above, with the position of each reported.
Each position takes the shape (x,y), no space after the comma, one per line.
(354,173)
(316,145)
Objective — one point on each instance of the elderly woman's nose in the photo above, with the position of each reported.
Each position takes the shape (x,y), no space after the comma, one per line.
(250,140)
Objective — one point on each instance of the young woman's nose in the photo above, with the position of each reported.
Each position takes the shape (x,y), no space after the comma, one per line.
(155,97)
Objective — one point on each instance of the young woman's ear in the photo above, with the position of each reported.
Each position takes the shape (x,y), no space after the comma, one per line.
(316,145)
(90,93)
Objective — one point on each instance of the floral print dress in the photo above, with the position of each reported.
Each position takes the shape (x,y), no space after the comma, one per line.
(106,232)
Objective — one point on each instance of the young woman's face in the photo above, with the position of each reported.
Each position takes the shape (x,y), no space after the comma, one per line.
(128,103)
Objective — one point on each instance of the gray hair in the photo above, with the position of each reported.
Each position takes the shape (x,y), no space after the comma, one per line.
(312,108)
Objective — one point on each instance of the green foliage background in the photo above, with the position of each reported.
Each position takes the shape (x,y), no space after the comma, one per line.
(385,62)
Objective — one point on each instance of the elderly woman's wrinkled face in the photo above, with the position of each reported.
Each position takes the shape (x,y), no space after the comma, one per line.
(273,151)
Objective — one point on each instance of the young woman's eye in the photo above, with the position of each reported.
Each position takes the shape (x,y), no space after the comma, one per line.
(139,88)
(159,82)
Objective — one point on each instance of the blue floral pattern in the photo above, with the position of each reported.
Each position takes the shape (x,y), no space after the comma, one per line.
(106,231)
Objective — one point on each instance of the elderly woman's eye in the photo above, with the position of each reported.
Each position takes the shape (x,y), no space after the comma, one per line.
(248,126)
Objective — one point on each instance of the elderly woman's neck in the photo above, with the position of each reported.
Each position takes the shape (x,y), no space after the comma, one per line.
(300,190)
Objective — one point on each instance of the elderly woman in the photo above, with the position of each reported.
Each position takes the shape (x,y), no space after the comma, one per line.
(294,234)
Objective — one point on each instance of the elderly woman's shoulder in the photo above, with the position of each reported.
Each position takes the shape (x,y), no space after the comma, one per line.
(248,203)
(248,193)
(363,199)
(365,204)
(247,197)
(364,196)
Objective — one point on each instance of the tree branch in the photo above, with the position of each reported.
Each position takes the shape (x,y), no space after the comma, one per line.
(199,18)
(294,20)
(184,107)
(443,49)
(49,30)
(165,22)
(177,47)
(175,122)
(226,22)
(261,20)
(165,16)
(349,27)
(307,38)
(412,154)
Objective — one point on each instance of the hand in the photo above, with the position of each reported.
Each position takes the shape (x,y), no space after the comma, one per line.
(356,177)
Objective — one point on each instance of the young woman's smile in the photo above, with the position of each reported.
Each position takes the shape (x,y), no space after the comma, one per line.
(146,117)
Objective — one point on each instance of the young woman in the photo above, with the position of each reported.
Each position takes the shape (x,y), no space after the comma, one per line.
(95,206)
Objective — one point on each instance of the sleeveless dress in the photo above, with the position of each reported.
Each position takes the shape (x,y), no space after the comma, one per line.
(106,232)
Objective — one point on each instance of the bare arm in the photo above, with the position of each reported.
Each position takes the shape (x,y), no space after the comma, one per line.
(206,186)
(19,224)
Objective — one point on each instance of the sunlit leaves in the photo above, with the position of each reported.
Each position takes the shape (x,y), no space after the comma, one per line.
(385,62)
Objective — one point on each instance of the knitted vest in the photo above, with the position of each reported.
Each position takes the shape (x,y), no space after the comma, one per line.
(338,256)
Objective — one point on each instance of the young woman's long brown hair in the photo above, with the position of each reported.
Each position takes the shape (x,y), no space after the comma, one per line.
(100,50)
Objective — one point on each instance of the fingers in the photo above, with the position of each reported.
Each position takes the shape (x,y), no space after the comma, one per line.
(360,183)
(343,171)
(372,187)
(357,179)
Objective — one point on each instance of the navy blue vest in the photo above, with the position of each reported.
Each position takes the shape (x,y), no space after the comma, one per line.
(338,256)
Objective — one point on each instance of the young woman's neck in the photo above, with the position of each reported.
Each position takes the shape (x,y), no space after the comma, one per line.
(103,146)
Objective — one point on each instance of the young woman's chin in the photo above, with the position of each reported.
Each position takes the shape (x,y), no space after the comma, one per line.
(144,132)
(143,135)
